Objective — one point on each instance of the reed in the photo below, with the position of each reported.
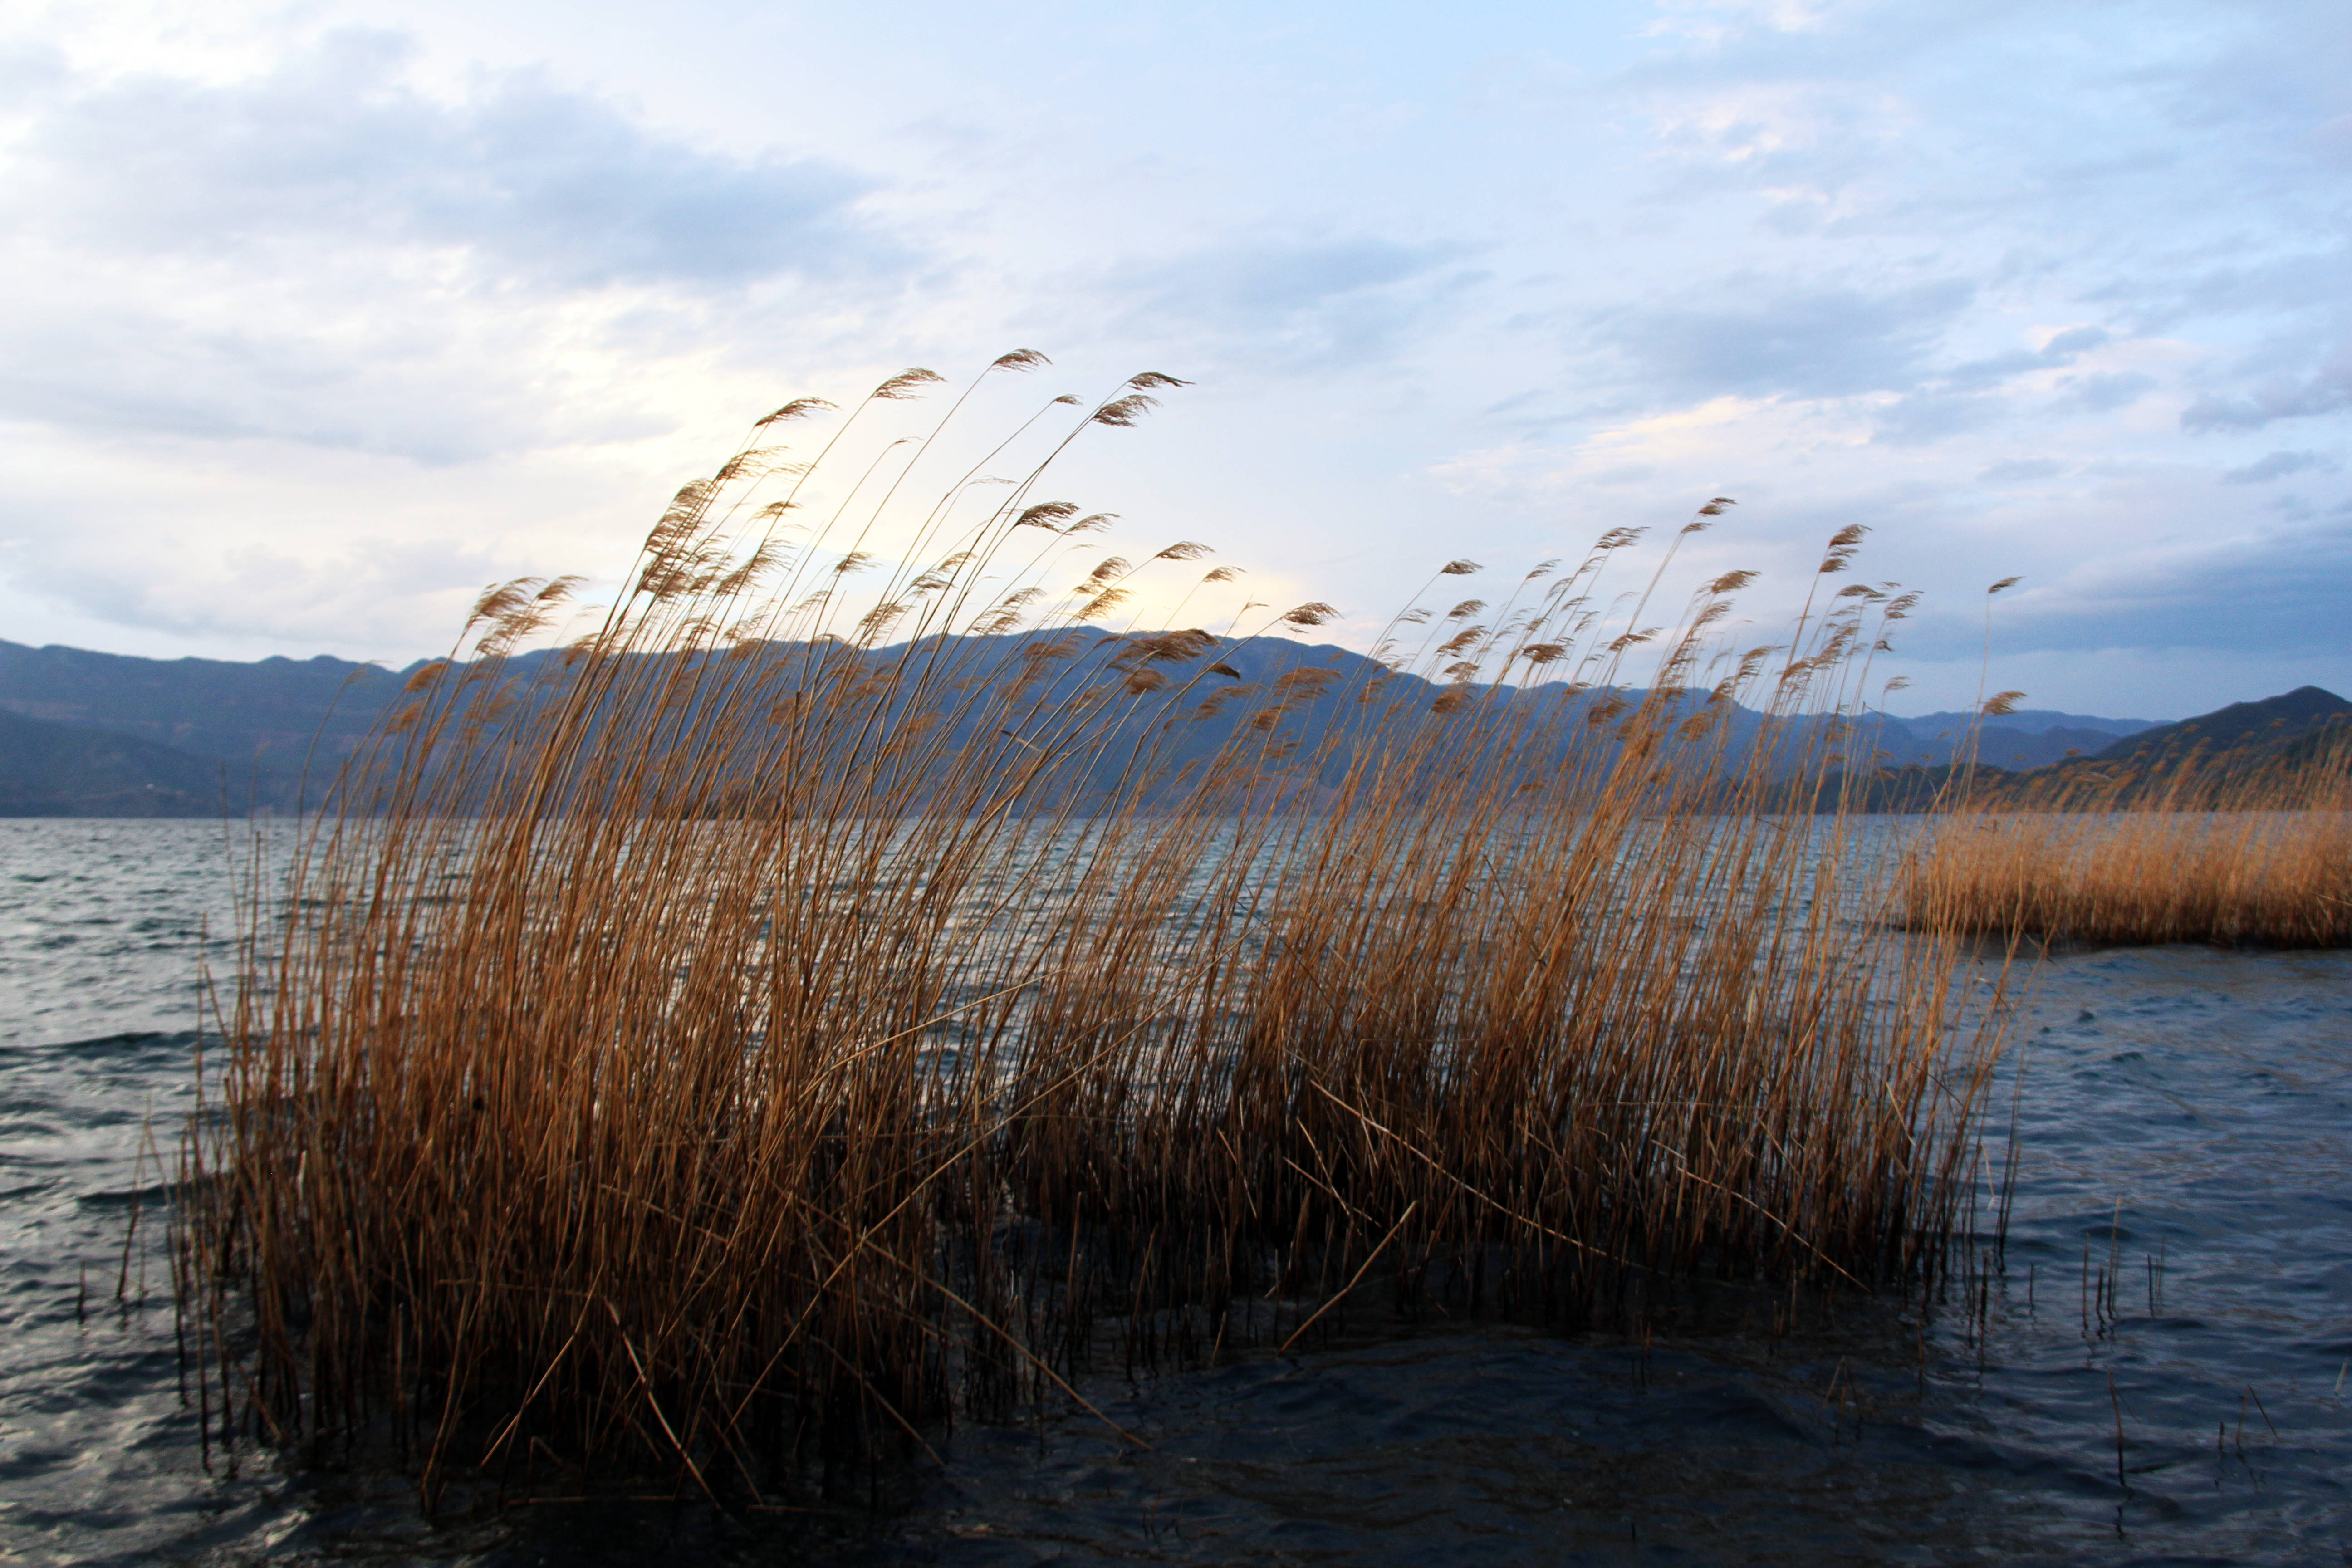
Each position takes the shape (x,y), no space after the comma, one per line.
(777,1021)
(2228,848)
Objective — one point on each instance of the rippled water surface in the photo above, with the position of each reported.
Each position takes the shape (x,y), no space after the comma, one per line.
(2179,1270)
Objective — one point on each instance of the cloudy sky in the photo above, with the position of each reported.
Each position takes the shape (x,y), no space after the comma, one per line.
(321,315)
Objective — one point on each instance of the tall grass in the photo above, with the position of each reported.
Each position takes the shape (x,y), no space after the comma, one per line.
(780,1021)
(2234,848)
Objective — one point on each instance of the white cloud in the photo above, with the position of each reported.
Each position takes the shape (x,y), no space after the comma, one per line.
(332,148)
(321,316)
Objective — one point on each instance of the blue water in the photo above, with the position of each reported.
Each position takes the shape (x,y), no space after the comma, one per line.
(2179,1262)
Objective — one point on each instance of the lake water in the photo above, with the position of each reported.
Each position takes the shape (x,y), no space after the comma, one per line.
(2178,1266)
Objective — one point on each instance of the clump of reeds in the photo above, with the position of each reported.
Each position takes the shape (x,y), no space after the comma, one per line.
(2230,849)
(776,1019)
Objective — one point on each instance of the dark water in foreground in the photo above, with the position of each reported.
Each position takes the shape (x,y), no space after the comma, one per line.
(2186,1122)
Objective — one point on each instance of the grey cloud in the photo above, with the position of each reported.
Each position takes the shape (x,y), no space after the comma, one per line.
(324,255)
(1319,302)
(1517,403)
(2277,465)
(533,181)
(2076,339)
(2333,140)
(2328,390)
(29,72)
(369,593)
(1278,282)
(2105,391)
(2281,593)
(2173,179)
(1796,343)
(1992,372)
(2306,278)
(1930,416)
(1844,342)
(131,369)
(2021,470)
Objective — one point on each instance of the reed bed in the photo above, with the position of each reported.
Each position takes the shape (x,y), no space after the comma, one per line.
(775,1022)
(2233,850)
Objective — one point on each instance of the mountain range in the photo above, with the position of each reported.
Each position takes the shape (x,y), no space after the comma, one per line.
(95,734)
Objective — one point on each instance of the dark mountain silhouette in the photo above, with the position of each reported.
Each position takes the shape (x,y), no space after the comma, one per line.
(266,719)
(2329,742)
(274,709)
(62,770)
(1999,744)
(2268,725)
(2003,747)
(2027,737)
(2031,721)
(1137,718)
(1181,704)
(2243,742)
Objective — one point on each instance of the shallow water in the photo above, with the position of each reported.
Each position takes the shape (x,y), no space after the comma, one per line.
(2179,1262)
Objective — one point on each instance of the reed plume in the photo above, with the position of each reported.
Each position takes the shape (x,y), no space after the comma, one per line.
(2233,848)
(733,1042)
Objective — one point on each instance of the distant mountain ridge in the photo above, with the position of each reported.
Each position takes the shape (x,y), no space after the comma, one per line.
(2026,738)
(86,733)
(2214,754)
(2032,721)
(2001,745)
(63,770)
(275,708)
(2270,724)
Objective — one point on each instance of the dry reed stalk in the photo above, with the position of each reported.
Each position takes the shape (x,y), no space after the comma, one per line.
(2224,849)
(737,1041)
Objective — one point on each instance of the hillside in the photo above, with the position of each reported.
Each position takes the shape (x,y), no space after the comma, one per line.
(2027,737)
(1182,699)
(2032,721)
(60,770)
(2240,742)
(2242,728)
(273,708)
(1999,745)
(98,734)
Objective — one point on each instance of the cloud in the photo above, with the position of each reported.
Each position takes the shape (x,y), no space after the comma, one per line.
(124,370)
(1931,415)
(331,148)
(2021,470)
(1791,342)
(2326,390)
(1993,370)
(1977,392)
(322,254)
(2279,591)
(2278,465)
(2102,391)
(1315,304)
(1933,266)
(2076,339)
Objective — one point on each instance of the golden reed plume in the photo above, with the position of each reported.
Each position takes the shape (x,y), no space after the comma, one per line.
(2251,846)
(775,1020)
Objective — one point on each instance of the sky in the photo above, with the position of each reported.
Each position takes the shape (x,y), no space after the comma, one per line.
(321,316)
